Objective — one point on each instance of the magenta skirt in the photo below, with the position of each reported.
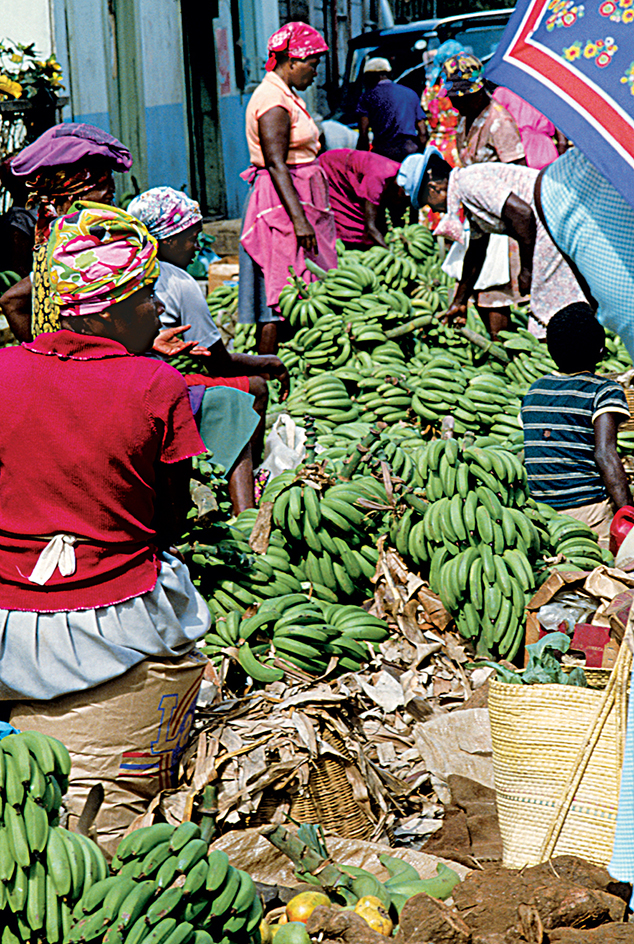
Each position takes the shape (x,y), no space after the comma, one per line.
(268,235)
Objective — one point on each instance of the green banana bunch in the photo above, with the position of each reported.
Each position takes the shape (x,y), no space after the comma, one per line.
(168,888)
(440,383)
(44,869)
(390,401)
(331,532)
(577,542)
(305,633)
(325,397)
(414,240)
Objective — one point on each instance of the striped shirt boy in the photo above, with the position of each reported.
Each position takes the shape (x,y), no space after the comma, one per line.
(558,414)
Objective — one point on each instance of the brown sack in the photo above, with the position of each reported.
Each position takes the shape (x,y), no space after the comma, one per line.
(128,734)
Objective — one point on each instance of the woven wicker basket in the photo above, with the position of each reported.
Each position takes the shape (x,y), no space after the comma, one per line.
(557,757)
(329,799)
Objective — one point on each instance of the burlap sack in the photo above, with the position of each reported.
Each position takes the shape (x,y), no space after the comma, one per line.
(127,734)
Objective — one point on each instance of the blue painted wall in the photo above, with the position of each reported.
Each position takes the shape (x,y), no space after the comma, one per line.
(234,150)
(167,163)
(85,47)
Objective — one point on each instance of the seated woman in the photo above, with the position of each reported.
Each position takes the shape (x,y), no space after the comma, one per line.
(237,380)
(66,163)
(94,481)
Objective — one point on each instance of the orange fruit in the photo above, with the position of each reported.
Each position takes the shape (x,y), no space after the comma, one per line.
(374,913)
(302,906)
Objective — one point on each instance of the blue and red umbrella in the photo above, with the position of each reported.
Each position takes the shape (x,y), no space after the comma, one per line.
(575,62)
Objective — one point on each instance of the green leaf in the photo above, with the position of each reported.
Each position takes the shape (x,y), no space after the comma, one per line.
(577,677)
(557,642)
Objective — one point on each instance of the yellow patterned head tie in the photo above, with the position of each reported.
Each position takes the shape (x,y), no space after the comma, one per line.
(97,256)
(462,75)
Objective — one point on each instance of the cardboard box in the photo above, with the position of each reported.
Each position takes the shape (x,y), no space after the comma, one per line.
(220,272)
(128,734)
(600,641)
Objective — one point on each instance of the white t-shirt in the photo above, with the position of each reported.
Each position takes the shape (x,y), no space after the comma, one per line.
(185,304)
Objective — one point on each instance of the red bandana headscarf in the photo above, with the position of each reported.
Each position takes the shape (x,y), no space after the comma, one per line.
(298,40)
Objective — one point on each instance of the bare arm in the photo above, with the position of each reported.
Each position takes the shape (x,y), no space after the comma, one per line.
(608,460)
(16,307)
(171,503)
(520,223)
(372,231)
(472,266)
(223,364)
(363,142)
(423,134)
(561,142)
(274,129)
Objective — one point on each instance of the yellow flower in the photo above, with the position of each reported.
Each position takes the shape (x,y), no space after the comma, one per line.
(9,87)
(16,57)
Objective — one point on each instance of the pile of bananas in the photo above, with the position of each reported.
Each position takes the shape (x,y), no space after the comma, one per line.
(296,631)
(335,535)
(44,868)
(476,540)
(324,397)
(168,888)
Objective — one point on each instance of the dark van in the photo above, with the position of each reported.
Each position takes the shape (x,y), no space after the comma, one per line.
(407,47)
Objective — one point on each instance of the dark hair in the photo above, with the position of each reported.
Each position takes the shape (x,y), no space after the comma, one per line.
(437,168)
(575,338)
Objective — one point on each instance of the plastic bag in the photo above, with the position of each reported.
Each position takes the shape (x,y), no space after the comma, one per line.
(495,270)
(284,447)
(566,607)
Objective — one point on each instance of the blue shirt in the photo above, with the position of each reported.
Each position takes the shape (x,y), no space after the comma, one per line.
(558,414)
(393,111)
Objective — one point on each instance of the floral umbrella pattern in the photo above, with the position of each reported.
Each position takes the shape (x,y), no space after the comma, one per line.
(575,63)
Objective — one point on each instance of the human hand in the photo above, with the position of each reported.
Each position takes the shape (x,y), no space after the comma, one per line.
(456,315)
(524,280)
(169,344)
(306,237)
(200,350)
(280,373)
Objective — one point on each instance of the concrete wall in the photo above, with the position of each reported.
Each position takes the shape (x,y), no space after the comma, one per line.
(27,21)
(257,20)
(127,80)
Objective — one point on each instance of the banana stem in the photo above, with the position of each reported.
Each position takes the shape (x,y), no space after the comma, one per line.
(315,269)
(304,858)
(487,345)
(352,464)
(209,811)
(421,322)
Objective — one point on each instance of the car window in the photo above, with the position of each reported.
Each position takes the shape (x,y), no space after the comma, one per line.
(482,41)
(358,58)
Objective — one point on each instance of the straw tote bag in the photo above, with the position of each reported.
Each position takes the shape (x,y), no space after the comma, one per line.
(557,759)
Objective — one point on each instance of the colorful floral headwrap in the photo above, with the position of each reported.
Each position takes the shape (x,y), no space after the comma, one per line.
(448,49)
(297,39)
(462,75)
(165,212)
(98,256)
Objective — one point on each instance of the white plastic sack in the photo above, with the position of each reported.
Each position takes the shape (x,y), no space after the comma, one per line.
(495,270)
(284,447)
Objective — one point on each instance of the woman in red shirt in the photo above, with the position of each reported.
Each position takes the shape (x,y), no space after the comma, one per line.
(94,454)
